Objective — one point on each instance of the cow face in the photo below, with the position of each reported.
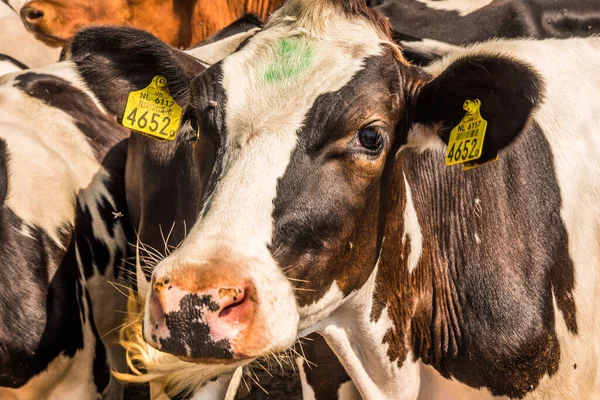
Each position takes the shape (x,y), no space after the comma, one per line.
(307,119)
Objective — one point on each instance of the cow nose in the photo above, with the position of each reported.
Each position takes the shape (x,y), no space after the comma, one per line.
(197,323)
(31,15)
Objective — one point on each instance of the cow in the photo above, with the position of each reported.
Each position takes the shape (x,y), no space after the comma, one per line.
(21,45)
(161,213)
(329,208)
(64,237)
(427,29)
(180,23)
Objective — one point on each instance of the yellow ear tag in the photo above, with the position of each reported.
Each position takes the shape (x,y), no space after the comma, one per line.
(466,139)
(152,111)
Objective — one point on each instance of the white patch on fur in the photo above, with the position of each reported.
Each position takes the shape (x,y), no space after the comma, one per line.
(412,230)
(314,312)
(26,231)
(307,391)
(348,391)
(234,384)
(435,387)
(462,7)
(8,67)
(569,118)
(263,119)
(358,343)
(58,163)
(429,47)
(215,52)
(424,138)
(213,390)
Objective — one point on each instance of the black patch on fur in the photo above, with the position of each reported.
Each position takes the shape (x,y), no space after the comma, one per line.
(491,320)
(3,172)
(324,372)
(156,197)
(40,318)
(506,19)
(193,333)
(100,368)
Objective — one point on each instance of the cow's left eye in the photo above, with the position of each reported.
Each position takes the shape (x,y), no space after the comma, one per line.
(370,139)
(191,127)
(193,121)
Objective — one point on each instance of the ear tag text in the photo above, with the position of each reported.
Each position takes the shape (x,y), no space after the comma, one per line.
(152,111)
(466,139)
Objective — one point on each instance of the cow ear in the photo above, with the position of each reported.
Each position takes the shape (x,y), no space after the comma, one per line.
(508,91)
(114,61)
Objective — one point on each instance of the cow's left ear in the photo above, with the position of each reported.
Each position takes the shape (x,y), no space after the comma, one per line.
(508,91)
(115,61)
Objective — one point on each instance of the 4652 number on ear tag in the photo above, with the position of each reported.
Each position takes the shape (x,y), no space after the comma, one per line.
(152,111)
(466,139)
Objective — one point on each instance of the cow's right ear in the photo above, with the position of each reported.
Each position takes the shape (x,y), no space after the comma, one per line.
(115,61)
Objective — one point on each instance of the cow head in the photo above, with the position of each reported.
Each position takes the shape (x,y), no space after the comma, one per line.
(307,120)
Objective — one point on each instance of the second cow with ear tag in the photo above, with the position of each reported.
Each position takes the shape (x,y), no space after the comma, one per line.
(330,209)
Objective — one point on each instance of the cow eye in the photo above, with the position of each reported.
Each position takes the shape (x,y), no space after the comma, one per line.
(194,126)
(370,139)
(193,121)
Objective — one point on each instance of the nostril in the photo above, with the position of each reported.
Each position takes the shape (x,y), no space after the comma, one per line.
(229,298)
(32,14)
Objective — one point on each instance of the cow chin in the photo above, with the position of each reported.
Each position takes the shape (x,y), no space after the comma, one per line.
(216,312)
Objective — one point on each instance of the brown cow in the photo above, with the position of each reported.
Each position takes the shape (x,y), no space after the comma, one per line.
(178,22)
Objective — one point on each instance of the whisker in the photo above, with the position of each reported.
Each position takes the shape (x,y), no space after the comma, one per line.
(118,290)
(167,251)
(124,325)
(258,384)
(298,280)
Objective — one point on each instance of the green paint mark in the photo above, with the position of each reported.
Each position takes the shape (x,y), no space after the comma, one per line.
(293,56)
